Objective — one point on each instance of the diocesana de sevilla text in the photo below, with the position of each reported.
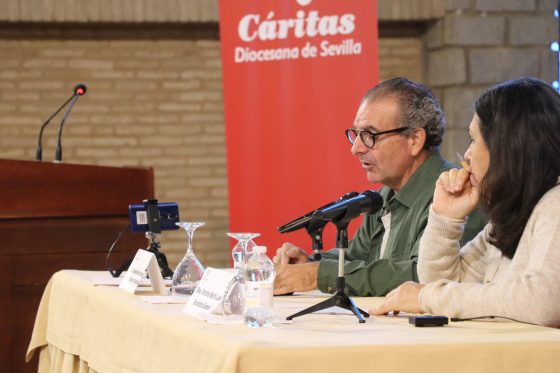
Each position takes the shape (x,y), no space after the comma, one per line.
(325,49)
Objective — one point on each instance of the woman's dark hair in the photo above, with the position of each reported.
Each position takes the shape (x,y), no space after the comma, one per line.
(520,123)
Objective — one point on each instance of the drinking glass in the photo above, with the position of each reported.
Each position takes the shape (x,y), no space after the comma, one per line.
(242,248)
(234,298)
(189,271)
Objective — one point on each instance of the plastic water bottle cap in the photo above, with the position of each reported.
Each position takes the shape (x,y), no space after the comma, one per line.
(259,250)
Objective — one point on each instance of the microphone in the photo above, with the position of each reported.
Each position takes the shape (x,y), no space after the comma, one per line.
(79,90)
(368,202)
(304,220)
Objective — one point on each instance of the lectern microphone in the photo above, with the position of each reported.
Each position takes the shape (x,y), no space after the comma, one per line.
(79,90)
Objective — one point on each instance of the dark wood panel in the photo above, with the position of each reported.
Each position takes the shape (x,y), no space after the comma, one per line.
(33,270)
(5,312)
(38,236)
(44,189)
(53,217)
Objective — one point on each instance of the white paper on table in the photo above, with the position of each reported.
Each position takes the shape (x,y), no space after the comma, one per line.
(214,319)
(209,292)
(108,280)
(144,261)
(163,299)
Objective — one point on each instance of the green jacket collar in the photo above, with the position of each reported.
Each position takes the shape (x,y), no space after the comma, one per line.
(421,181)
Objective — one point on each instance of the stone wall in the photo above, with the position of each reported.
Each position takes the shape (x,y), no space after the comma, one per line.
(478,43)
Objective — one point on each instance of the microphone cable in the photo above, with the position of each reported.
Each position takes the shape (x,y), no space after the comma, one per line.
(458,319)
(123,267)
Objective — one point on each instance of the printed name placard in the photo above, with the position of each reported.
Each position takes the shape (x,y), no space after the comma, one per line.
(143,261)
(208,295)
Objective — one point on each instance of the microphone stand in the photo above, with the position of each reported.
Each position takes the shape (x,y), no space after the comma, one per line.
(340,298)
(58,156)
(315,231)
(39,152)
(314,224)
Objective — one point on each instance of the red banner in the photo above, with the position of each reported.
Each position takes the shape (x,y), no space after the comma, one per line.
(294,72)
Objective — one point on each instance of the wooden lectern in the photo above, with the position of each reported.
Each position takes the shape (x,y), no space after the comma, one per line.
(52,217)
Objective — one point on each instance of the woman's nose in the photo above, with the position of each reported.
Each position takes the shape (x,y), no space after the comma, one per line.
(468,154)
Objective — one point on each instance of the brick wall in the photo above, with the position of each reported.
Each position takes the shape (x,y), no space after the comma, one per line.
(154,99)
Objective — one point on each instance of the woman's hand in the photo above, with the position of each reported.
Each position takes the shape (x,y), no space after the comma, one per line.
(455,197)
(404,298)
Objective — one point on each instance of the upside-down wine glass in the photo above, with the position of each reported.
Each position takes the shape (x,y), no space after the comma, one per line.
(189,271)
(243,247)
(234,299)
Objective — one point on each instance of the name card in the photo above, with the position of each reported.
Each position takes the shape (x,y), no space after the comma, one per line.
(208,295)
(143,261)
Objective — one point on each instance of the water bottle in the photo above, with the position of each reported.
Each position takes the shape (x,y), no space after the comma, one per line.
(259,278)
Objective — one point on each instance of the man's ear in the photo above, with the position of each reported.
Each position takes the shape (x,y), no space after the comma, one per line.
(417,140)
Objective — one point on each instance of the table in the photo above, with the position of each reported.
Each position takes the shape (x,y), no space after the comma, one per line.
(81,327)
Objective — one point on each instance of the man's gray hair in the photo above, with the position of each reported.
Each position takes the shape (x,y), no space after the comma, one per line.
(419,107)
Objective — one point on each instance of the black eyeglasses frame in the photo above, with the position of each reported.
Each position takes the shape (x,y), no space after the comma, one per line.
(373,135)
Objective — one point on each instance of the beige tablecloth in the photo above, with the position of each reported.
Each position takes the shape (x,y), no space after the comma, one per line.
(82,328)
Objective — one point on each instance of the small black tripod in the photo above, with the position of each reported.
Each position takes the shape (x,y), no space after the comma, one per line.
(152,234)
(154,247)
(340,298)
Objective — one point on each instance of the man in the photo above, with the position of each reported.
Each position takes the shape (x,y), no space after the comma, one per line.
(396,137)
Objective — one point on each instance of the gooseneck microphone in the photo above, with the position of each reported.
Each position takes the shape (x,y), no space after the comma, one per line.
(79,90)
(39,152)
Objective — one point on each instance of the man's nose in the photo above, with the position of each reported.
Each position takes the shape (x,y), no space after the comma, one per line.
(358,147)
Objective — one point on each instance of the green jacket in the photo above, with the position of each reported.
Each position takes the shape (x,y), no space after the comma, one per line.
(366,272)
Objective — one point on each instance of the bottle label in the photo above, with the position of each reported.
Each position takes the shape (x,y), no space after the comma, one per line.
(258,294)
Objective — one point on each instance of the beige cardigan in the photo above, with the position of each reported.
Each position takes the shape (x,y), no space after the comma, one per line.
(478,281)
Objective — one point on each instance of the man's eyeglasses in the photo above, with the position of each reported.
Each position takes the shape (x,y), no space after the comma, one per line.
(368,137)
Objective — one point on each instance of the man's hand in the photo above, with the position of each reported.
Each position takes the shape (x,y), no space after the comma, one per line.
(296,277)
(404,298)
(290,254)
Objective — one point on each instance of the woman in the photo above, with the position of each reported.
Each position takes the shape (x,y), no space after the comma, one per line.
(512,268)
